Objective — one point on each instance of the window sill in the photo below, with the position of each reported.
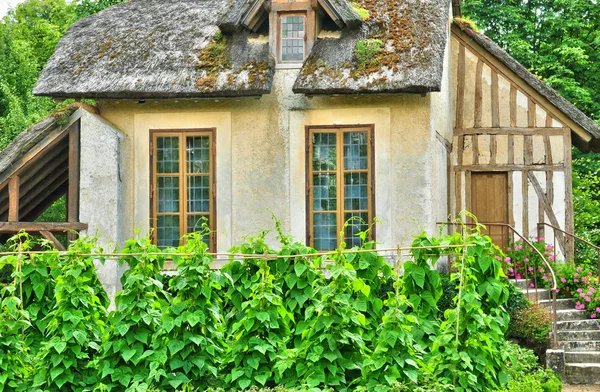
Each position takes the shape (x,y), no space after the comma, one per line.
(289,66)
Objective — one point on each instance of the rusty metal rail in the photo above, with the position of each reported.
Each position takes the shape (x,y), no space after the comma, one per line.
(553,289)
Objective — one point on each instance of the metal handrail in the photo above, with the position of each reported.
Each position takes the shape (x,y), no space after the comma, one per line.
(573,236)
(554,288)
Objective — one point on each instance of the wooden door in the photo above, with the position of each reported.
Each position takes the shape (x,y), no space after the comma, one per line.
(489,203)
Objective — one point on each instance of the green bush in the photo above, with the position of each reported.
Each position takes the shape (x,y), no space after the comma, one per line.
(533,324)
(268,319)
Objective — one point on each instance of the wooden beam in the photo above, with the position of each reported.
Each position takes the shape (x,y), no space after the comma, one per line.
(15,227)
(547,208)
(461,149)
(513,105)
(460,89)
(528,150)
(493,149)
(511,213)
(50,237)
(13,199)
(500,168)
(73,192)
(495,101)
(569,212)
(479,94)
(531,113)
(525,192)
(475,148)
(511,150)
(511,131)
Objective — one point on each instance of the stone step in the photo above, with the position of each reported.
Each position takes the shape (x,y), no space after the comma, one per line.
(561,304)
(542,294)
(582,357)
(571,315)
(582,373)
(579,345)
(579,336)
(520,283)
(578,325)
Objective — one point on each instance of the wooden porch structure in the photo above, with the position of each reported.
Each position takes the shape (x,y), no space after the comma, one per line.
(37,169)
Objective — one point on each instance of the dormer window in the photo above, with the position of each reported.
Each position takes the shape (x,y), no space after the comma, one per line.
(292,38)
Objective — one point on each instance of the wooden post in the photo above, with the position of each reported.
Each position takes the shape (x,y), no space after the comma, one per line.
(13,199)
(73,191)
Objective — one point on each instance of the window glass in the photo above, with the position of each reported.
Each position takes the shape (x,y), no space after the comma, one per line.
(334,204)
(183,197)
(292,38)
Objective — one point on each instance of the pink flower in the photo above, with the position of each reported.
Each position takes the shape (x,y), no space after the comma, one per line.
(587,299)
(598,309)
(593,315)
(545,277)
(507,259)
(551,257)
(580,290)
(498,258)
(579,307)
(589,274)
(530,269)
(578,303)
(563,280)
(579,269)
(518,276)
(541,239)
(576,274)
(593,290)
(549,247)
(531,285)
(575,280)
(526,260)
(518,247)
(511,269)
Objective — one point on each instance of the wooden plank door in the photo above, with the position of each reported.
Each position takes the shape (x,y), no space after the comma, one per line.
(489,203)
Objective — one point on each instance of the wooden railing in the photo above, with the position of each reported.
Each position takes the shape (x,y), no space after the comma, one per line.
(46,230)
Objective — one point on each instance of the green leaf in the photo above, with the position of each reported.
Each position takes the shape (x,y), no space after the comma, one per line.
(299,268)
(175,346)
(128,354)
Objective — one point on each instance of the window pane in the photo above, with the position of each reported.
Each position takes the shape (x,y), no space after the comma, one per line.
(195,223)
(356,191)
(198,194)
(324,152)
(357,222)
(198,154)
(168,194)
(292,38)
(355,151)
(168,231)
(167,154)
(324,192)
(325,229)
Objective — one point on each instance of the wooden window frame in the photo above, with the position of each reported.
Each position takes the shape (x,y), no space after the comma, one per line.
(183,181)
(339,130)
(280,16)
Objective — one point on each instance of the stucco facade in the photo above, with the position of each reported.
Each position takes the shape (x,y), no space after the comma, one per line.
(261,153)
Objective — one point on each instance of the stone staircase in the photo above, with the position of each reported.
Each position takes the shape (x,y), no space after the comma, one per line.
(578,337)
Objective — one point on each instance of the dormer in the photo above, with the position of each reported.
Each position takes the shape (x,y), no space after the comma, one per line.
(293,25)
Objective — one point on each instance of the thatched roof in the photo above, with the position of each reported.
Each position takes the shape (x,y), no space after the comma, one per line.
(566,107)
(399,48)
(157,49)
(173,49)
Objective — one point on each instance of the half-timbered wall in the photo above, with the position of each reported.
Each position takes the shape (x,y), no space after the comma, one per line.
(500,125)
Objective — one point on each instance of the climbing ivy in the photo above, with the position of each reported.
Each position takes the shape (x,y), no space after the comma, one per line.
(75,324)
(127,347)
(14,369)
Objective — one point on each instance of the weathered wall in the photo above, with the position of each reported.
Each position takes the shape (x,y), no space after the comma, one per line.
(101,197)
(442,133)
(261,154)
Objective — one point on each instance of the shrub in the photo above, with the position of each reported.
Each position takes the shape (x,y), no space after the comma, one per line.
(517,302)
(533,324)
(571,277)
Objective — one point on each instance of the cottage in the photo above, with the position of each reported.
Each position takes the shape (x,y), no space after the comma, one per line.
(314,111)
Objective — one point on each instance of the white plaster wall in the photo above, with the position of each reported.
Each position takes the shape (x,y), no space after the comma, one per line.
(261,157)
(100,196)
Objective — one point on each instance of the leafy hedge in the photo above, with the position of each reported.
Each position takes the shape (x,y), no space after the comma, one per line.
(269,319)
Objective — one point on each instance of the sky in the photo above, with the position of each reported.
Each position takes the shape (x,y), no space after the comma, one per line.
(6,4)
